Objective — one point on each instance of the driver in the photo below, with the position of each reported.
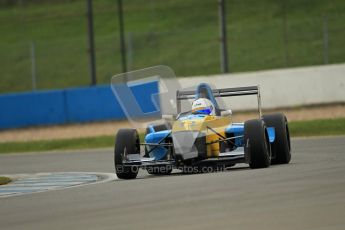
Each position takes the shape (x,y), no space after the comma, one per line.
(203,106)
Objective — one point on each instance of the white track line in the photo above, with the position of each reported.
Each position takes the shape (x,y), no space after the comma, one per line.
(42,182)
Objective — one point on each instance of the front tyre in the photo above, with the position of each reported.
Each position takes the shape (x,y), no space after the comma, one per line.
(127,142)
(281,148)
(256,144)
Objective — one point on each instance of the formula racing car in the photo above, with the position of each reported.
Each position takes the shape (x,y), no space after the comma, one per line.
(204,138)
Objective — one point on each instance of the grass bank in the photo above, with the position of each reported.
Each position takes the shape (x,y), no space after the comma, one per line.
(182,34)
(322,127)
(4,180)
(61,144)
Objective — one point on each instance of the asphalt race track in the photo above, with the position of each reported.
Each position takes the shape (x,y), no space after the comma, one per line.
(309,193)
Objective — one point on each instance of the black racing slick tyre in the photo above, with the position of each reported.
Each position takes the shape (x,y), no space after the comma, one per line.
(256,144)
(127,142)
(281,148)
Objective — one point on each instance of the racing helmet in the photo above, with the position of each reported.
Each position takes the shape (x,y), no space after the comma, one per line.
(203,106)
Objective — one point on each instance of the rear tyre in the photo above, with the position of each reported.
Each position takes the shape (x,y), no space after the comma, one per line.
(281,148)
(127,142)
(256,144)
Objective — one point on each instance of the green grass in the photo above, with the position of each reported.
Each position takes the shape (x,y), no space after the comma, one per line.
(4,180)
(63,144)
(180,33)
(323,127)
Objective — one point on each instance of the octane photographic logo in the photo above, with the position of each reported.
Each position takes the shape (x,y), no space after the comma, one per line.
(165,169)
(146,95)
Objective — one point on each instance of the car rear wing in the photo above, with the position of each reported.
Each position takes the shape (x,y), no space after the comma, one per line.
(226,92)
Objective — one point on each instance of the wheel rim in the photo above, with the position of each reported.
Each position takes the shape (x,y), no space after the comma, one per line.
(124,155)
(267,145)
(288,136)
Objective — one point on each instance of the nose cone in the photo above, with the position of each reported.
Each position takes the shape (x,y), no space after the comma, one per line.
(184,134)
(184,143)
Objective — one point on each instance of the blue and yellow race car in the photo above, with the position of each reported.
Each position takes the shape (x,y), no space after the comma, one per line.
(204,139)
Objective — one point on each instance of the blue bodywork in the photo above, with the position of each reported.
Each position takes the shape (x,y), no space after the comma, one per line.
(234,129)
(206,90)
(155,137)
